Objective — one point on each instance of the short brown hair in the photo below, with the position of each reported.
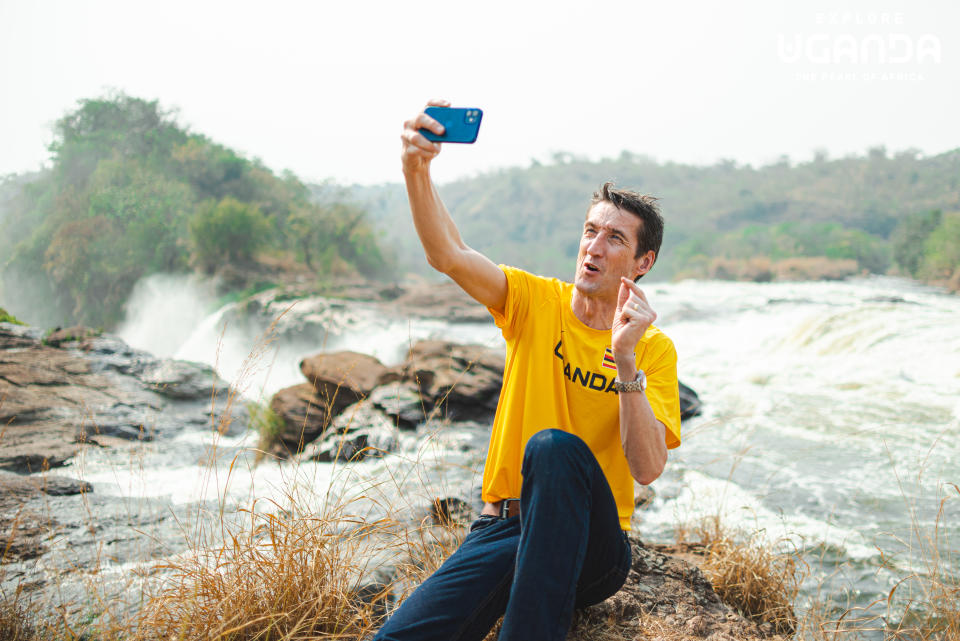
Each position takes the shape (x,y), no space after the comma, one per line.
(650,232)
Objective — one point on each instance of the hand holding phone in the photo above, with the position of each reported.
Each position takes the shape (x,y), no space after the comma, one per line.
(460,124)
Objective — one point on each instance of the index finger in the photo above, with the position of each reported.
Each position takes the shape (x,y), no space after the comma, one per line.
(634,288)
(438,102)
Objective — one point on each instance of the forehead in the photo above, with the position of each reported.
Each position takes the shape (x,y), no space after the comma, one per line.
(608,216)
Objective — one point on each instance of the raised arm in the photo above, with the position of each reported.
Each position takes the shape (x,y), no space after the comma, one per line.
(445,250)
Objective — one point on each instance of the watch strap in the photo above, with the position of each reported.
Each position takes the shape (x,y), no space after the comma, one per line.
(638,384)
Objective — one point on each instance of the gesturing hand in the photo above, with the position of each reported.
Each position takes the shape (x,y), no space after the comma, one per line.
(632,318)
(417,150)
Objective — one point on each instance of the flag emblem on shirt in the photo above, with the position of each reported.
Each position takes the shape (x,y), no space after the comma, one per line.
(608,361)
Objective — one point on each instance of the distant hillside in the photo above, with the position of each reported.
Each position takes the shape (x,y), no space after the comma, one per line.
(848,214)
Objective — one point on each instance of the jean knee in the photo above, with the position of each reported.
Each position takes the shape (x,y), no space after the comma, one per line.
(552,444)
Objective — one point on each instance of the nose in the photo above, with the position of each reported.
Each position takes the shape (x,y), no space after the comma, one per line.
(595,245)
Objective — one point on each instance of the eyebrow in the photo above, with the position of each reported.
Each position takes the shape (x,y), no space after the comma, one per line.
(612,230)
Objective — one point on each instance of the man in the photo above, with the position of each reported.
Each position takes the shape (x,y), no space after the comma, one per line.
(589,403)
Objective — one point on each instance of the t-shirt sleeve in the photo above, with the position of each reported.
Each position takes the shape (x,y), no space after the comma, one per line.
(663,391)
(518,302)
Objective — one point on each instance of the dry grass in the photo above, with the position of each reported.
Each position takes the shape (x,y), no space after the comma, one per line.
(748,574)
(280,578)
(286,576)
(15,621)
(930,595)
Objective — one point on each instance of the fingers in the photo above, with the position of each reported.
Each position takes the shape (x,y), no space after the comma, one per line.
(415,142)
(634,304)
(643,315)
(438,102)
(423,121)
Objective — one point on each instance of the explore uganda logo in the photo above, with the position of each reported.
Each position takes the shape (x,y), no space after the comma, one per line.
(859,46)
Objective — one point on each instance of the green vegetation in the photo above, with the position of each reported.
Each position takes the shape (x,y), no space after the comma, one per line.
(129,192)
(267,423)
(818,215)
(7,317)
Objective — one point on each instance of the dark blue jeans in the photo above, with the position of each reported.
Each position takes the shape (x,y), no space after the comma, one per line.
(565,550)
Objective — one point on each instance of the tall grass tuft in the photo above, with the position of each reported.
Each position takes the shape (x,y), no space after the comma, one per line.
(283,576)
(16,623)
(930,595)
(761,583)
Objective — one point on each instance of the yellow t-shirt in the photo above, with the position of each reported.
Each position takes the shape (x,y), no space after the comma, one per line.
(559,374)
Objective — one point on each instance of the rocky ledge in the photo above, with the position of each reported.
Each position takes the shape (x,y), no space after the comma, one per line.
(75,388)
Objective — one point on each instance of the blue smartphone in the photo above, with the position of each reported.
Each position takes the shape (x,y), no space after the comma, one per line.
(460,124)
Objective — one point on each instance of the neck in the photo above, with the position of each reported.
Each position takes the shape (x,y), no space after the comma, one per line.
(594,312)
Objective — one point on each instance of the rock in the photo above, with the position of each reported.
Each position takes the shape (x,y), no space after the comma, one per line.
(342,378)
(445,300)
(56,401)
(182,379)
(305,417)
(59,336)
(15,489)
(378,596)
(643,496)
(111,353)
(451,511)
(689,403)
(47,394)
(360,416)
(672,590)
(460,382)
(400,401)
(22,529)
(361,431)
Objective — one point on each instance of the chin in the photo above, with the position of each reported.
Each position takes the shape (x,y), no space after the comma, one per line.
(588,288)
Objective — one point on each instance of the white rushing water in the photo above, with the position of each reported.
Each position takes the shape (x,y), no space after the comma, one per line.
(831,412)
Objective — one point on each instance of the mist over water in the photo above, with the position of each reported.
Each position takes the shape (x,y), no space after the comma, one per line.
(164,310)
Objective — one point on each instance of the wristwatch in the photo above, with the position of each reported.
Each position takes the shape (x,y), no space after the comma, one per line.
(638,384)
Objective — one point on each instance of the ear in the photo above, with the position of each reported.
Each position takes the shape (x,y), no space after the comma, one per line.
(643,264)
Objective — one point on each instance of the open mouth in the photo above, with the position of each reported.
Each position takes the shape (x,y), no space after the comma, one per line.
(591,267)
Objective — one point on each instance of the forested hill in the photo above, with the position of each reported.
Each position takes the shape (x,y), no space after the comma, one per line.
(130,192)
(823,218)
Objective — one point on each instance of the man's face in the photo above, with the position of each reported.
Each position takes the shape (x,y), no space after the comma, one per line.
(607,249)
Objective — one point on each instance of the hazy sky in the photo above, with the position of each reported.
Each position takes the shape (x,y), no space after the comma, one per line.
(322,88)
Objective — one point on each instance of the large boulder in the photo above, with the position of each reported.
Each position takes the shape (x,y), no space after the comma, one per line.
(304,417)
(343,378)
(182,379)
(460,382)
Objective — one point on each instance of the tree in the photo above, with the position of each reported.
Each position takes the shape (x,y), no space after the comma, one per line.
(942,249)
(227,231)
(909,239)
